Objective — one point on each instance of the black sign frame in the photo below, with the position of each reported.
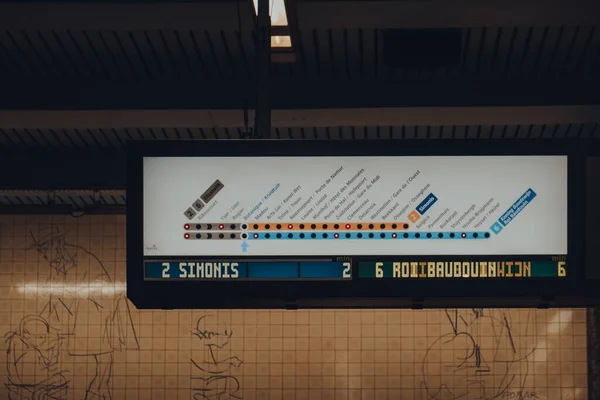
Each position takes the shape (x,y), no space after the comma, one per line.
(571,291)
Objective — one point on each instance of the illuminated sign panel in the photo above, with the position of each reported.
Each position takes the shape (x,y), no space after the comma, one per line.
(281,219)
(283,206)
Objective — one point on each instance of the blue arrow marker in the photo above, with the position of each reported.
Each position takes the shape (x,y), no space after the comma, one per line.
(245,247)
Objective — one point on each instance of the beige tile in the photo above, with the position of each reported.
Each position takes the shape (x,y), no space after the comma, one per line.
(291,355)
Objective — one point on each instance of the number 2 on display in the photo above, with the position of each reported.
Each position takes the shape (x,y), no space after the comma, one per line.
(346,273)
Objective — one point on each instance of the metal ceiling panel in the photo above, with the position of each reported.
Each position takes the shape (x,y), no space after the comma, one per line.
(77,199)
(344,54)
(109,140)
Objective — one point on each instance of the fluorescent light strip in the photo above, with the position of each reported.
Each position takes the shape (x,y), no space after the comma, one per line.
(73,291)
(279,18)
(276,11)
(281,41)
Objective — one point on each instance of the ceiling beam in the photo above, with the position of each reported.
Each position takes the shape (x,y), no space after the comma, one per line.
(63,172)
(23,15)
(446,14)
(295,94)
(62,201)
(403,116)
(18,15)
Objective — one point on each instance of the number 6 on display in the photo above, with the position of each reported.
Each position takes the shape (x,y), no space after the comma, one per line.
(561,268)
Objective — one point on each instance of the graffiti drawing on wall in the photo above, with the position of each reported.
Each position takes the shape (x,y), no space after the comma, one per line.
(213,378)
(457,365)
(35,348)
(76,282)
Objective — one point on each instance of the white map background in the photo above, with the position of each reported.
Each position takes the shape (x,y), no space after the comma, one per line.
(171,185)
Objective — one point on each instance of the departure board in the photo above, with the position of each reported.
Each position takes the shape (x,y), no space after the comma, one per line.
(255,269)
(280,217)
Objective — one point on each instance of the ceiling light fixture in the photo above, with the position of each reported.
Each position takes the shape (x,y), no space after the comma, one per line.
(276,11)
(280,31)
(281,41)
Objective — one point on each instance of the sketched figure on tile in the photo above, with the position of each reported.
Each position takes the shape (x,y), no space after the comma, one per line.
(458,366)
(214,376)
(33,361)
(82,290)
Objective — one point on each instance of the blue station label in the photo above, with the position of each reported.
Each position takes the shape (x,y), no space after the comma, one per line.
(517,207)
(426,204)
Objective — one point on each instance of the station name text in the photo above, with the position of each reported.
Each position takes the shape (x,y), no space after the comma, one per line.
(201,270)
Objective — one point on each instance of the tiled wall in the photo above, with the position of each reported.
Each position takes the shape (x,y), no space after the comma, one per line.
(70,333)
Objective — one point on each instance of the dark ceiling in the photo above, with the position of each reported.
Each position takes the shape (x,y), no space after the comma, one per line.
(101,141)
(79,79)
(544,52)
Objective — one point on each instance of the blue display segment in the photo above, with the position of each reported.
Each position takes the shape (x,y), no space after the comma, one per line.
(195,270)
(326,270)
(157,271)
(231,270)
(273,270)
